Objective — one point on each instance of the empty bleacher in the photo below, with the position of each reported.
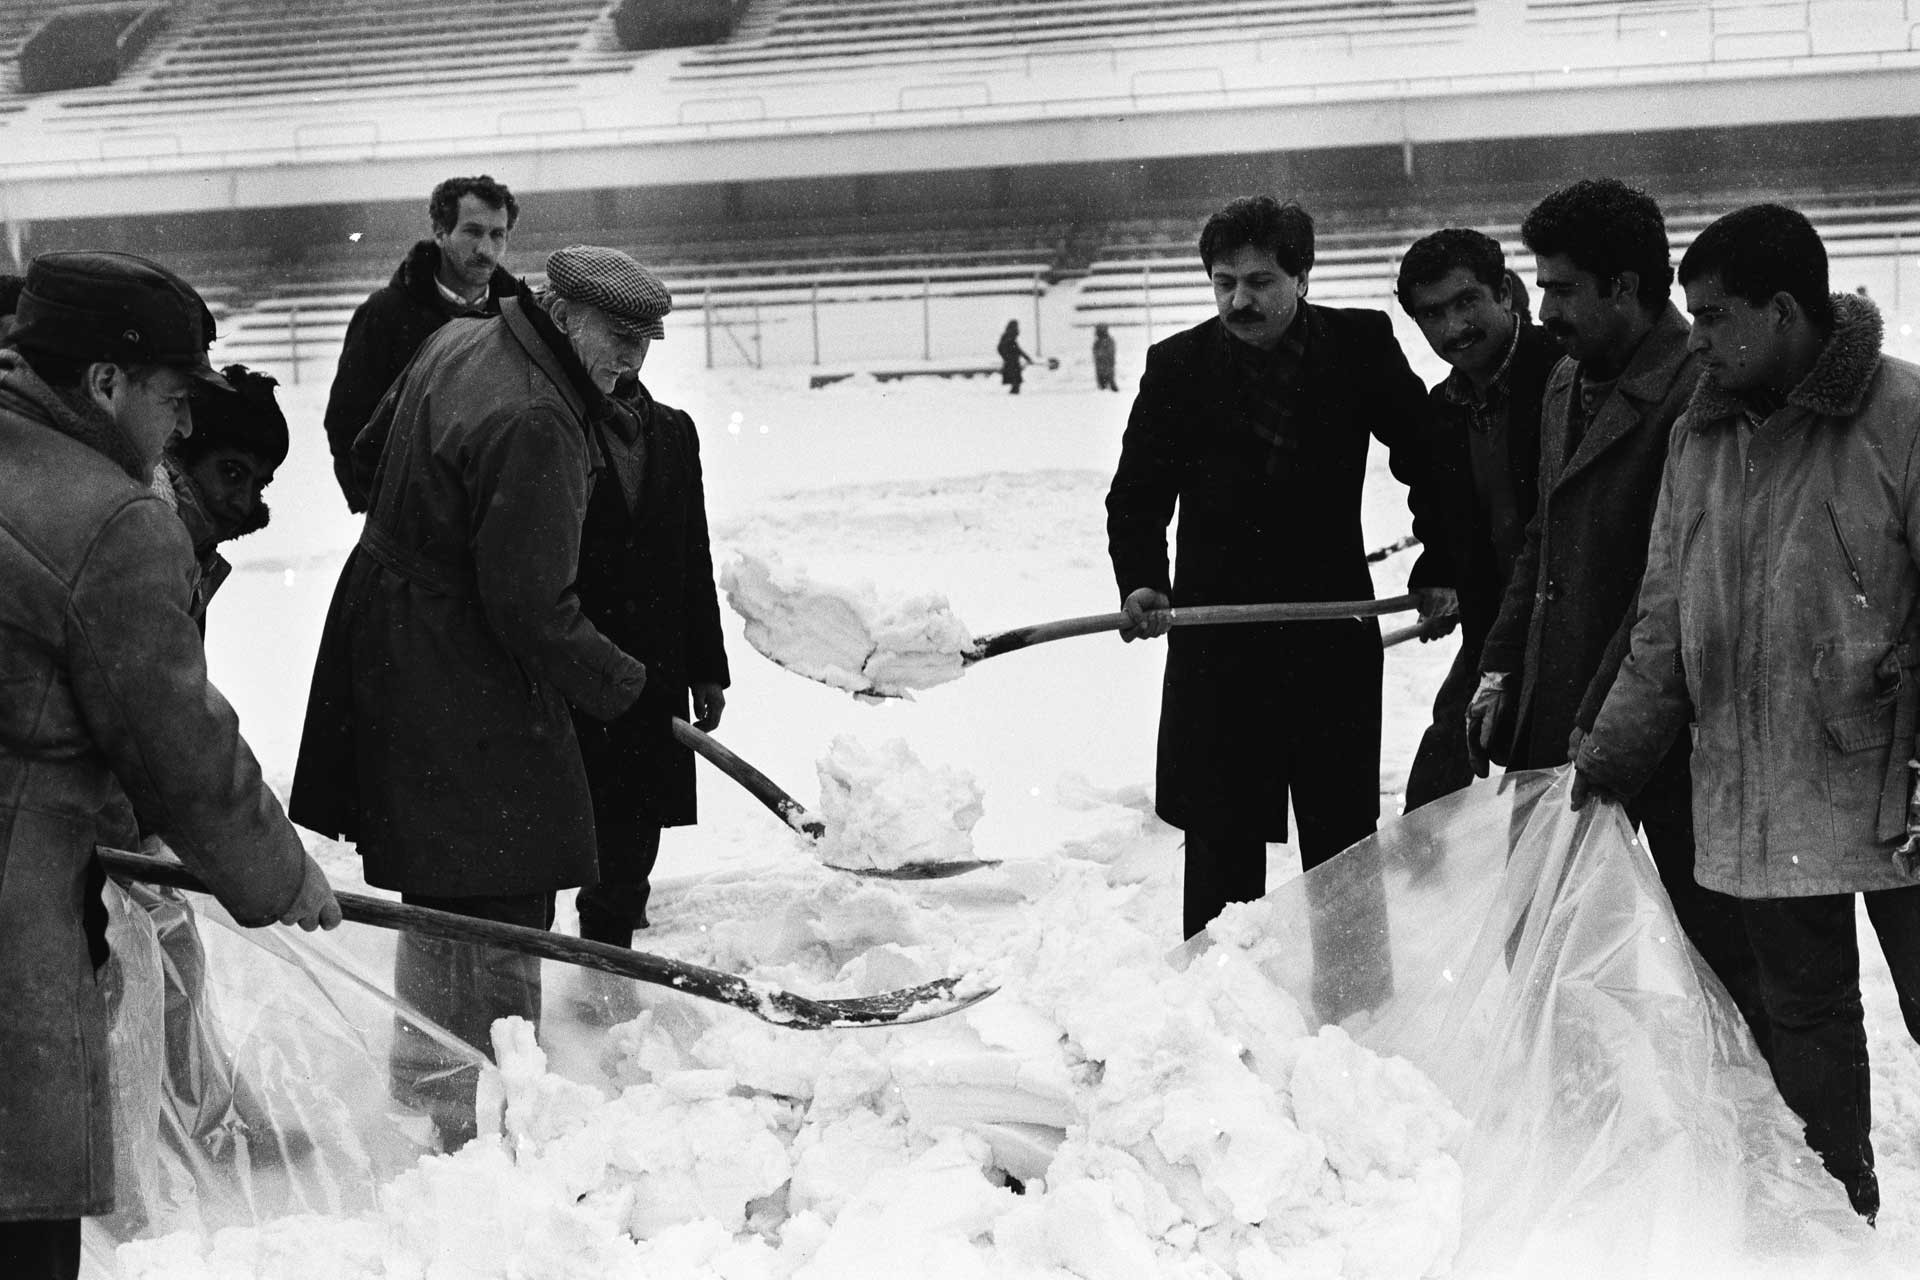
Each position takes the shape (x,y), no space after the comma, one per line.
(785,36)
(229,52)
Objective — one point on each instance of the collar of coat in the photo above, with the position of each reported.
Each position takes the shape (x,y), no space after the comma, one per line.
(1836,385)
(560,361)
(419,272)
(23,392)
(1650,371)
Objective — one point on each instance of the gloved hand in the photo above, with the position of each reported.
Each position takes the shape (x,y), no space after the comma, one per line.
(1484,714)
(1147,615)
(1439,611)
(1585,788)
(314,907)
(1574,740)
(709,700)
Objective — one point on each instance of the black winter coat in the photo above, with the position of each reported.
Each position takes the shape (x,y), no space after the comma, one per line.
(1479,578)
(384,333)
(1228,724)
(437,734)
(646,581)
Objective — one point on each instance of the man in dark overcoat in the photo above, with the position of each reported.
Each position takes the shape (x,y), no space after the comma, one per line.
(1565,625)
(104,699)
(457,272)
(646,580)
(1257,424)
(439,734)
(1486,457)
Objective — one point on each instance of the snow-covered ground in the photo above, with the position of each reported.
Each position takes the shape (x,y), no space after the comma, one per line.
(835,1154)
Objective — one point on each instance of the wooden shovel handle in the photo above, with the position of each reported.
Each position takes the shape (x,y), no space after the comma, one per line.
(1202,615)
(758,784)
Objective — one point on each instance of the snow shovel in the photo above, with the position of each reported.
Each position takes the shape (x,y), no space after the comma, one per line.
(798,816)
(770,1004)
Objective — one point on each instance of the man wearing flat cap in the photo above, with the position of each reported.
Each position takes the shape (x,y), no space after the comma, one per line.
(646,580)
(103,692)
(439,735)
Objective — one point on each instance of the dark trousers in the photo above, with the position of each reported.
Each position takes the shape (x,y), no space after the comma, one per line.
(1711,920)
(464,987)
(1440,765)
(611,910)
(1352,967)
(1809,965)
(44,1250)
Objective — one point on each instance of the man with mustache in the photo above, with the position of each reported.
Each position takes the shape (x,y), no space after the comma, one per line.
(1257,425)
(1601,257)
(456,273)
(1486,456)
(1780,618)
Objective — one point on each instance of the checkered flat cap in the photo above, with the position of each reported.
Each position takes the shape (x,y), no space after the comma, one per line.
(610,280)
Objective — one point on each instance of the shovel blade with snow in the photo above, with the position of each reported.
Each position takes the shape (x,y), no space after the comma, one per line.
(798,816)
(769,1003)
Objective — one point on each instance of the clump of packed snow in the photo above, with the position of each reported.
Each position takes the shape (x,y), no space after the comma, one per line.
(848,637)
(1103,1115)
(884,809)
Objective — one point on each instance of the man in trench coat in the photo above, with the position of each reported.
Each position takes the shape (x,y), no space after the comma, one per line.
(1601,254)
(439,734)
(1257,424)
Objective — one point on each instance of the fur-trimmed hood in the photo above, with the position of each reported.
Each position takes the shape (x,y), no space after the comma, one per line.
(23,392)
(1837,384)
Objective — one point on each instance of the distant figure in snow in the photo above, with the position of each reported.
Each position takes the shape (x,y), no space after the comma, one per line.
(1103,359)
(1012,359)
(456,273)
(439,732)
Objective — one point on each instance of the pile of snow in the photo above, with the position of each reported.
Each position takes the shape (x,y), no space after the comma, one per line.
(1104,1115)
(884,809)
(848,637)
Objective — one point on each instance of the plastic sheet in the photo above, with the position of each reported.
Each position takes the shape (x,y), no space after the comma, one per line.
(1621,1119)
(250,1071)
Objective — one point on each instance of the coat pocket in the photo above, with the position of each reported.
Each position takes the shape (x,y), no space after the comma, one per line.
(1861,730)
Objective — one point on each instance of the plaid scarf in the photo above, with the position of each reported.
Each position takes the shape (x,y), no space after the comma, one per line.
(1267,390)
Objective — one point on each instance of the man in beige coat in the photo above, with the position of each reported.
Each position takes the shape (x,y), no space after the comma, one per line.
(1780,617)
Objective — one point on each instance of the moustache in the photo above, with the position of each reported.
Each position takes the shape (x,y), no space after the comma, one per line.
(1245,315)
(1471,338)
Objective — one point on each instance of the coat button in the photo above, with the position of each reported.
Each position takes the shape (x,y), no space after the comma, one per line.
(629,607)
(1552,592)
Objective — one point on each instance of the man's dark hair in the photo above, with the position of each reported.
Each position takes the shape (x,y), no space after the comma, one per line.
(1432,258)
(1762,250)
(443,206)
(1285,230)
(248,418)
(1606,227)
(10,287)
(66,374)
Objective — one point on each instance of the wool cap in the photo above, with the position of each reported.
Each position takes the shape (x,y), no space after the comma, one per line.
(247,418)
(608,279)
(114,307)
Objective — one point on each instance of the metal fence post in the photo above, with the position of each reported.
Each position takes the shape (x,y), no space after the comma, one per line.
(816,323)
(926,318)
(1146,293)
(1037,344)
(706,317)
(293,342)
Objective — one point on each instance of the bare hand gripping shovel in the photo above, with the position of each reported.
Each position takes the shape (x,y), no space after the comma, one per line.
(798,816)
(769,1003)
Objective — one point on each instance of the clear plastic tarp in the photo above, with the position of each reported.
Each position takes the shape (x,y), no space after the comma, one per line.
(1621,1121)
